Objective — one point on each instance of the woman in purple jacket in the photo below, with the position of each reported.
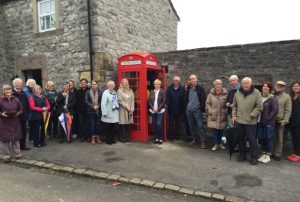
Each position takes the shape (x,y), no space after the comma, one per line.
(266,122)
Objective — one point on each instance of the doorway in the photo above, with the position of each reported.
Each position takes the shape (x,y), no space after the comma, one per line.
(35,74)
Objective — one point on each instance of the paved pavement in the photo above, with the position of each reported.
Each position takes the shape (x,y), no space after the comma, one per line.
(30,185)
(177,163)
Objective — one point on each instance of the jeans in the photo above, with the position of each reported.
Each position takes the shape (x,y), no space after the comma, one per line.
(38,132)
(217,136)
(93,125)
(158,121)
(174,125)
(83,130)
(265,135)
(195,120)
(249,132)
(295,133)
(125,132)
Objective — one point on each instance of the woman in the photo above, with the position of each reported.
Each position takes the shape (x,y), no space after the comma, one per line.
(65,103)
(157,104)
(38,103)
(217,113)
(110,112)
(126,101)
(11,133)
(28,90)
(93,102)
(294,122)
(51,95)
(266,122)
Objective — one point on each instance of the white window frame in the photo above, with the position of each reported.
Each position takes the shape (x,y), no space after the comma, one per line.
(48,14)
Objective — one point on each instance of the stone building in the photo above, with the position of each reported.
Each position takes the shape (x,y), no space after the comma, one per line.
(49,39)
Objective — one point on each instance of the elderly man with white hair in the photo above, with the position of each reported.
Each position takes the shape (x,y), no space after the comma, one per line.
(175,102)
(247,105)
(20,94)
(234,82)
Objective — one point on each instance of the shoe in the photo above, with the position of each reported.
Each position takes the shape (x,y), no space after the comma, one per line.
(294,158)
(98,141)
(61,141)
(221,146)
(160,141)
(267,159)
(156,141)
(241,158)
(193,142)
(19,157)
(203,146)
(93,141)
(262,157)
(74,136)
(114,142)
(277,158)
(215,147)
(7,160)
(44,144)
(253,162)
(26,148)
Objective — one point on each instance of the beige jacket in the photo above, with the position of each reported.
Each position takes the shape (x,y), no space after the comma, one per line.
(247,108)
(284,107)
(126,100)
(216,109)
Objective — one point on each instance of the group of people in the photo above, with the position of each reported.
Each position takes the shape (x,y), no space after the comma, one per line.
(259,116)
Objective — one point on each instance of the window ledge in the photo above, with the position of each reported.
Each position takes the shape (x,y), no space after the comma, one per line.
(48,33)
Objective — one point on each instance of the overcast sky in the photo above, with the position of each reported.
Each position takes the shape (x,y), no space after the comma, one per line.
(207,23)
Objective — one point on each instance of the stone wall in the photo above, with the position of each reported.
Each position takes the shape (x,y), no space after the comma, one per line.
(264,61)
(118,27)
(3,63)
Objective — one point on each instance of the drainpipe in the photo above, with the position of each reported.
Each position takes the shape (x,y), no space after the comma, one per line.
(90,39)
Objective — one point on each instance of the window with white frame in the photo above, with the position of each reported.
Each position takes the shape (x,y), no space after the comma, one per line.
(46,15)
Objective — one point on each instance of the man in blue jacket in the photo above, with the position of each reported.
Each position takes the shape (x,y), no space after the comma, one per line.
(175,103)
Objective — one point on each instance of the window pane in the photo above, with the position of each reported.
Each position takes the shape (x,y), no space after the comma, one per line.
(42,23)
(42,8)
(52,6)
(47,3)
(52,21)
(47,22)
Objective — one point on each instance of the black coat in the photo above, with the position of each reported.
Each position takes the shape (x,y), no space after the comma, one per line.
(295,116)
(24,101)
(175,99)
(60,102)
(201,96)
(81,106)
(89,102)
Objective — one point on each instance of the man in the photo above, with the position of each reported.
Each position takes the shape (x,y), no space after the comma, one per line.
(247,105)
(282,118)
(234,82)
(175,103)
(195,106)
(82,109)
(20,94)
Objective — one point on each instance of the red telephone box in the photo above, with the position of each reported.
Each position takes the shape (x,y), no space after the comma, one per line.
(141,69)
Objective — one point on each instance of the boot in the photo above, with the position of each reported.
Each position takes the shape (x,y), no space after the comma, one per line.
(93,141)
(98,141)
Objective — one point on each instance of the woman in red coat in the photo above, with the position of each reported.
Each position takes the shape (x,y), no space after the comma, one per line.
(10,128)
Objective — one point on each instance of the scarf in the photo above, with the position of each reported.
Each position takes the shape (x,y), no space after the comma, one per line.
(115,101)
(94,96)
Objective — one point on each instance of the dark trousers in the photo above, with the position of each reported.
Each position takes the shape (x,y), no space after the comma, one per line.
(125,132)
(30,130)
(38,132)
(84,124)
(23,138)
(158,125)
(174,125)
(217,135)
(249,132)
(93,125)
(110,132)
(53,124)
(75,123)
(295,133)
